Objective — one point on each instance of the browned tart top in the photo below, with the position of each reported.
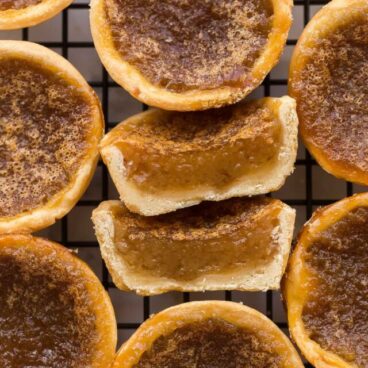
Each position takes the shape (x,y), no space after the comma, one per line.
(184,45)
(17,4)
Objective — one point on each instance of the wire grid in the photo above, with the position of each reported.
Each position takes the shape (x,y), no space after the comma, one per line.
(125,302)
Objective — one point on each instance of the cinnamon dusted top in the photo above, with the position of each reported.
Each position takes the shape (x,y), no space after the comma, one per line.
(186,45)
(336,312)
(46,313)
(44,126)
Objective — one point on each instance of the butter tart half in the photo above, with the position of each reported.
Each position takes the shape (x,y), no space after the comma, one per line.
(329,80)
(16,14)
(238,244)
(214,334)
(189,55)
(54,312)
(325,287)
(50,126)
(161,161)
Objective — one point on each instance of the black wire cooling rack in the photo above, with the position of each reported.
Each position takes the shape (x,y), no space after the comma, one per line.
(308,201)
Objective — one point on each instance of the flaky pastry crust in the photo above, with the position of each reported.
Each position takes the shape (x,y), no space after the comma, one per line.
(129,77)
(295,295)
(31,15)
(63,201)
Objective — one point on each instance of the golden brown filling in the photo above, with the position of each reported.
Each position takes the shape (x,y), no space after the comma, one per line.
(44,124)
(17,4)
(336,314)
(185,45)
(333,94)
(184,151)
(212,343)
(45,313)
(186,244)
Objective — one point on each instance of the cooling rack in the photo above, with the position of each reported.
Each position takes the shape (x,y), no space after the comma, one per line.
(308,188)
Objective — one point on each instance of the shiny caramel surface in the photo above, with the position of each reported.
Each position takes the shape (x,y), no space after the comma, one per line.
(183,151)
(45,312)
(211,343)
(44,125)
(332,94)
(336,312)
(17,4)
(186,244)
(185,45)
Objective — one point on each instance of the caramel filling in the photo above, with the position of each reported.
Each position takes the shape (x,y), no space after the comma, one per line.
(45,313)
(212,238)
(44,126)
(336,314)
(333,93)
(185,45)
(211,149)
(212,343)
(17,4)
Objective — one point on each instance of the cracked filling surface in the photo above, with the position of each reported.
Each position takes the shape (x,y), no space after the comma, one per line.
(332,94)
(211,149)
(336,312)
(17,4)
(44,126)
(45,312)
(186,244)
(186,45)
(211,343)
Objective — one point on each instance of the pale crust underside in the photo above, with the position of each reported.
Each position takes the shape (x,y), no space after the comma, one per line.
(267,278)
(168,320)
(139,87)
(32,15)
(325,22)
(63,201)
(102,307)
(295,296)
(261,182)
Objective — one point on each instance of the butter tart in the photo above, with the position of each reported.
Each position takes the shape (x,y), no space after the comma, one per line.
(189,55)
(54,312)
(214,334)
(16,14)
(329,80)
(161,161)
(325,287)
(50,126)
(180,250)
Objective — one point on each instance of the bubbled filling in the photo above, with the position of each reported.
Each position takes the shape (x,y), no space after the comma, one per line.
(336,312)
(332,94)
(211,149)
(212,343)
(44,128)
(46,317)
(185,45)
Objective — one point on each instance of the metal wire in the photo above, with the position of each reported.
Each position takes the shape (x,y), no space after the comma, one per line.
(105,85)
